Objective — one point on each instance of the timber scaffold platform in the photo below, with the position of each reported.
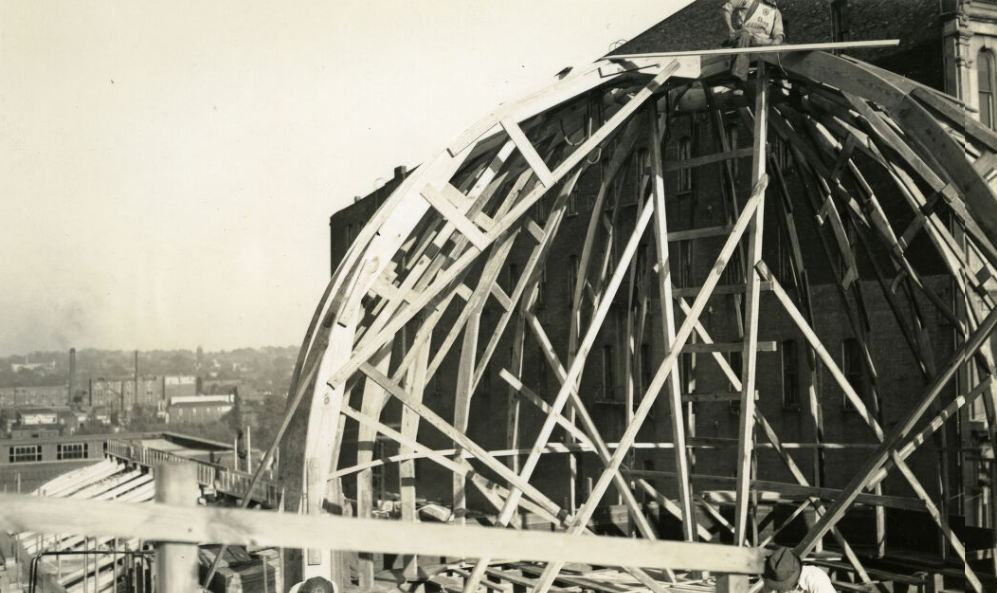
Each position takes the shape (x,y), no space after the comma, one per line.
(410,293)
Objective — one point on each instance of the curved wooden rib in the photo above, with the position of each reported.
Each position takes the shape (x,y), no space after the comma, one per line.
(438,248)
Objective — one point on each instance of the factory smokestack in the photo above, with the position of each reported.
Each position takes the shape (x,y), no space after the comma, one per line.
(72,375)
(136,396)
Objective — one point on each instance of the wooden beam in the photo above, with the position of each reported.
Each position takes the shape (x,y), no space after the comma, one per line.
(875,461)
(709,159)
(529,153)
(702,348)
(749,352)
(443,201)
(567,386)
(192,525)
(768,49)
(938,518)
(664,285)
(822,353)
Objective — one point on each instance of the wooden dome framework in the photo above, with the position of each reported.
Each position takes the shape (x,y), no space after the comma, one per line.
(436,248)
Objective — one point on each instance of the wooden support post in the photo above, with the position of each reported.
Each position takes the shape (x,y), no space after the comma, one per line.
(415,381)
(462,403)
(750,352)
(176,570)
(672,389)
(374,398)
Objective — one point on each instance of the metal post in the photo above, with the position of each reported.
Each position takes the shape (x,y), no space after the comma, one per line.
(176,570)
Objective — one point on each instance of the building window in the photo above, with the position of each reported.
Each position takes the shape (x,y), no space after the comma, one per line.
(572,279)
(732,145)
(608,374)
(985,73)
(685,173)
(645,371)
(853,369)
(542,290)
(541,373)
(783,155)
(736,362)
(72,451)
(790,376)
(25,453)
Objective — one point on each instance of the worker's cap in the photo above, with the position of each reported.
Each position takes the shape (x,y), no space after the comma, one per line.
(782,570)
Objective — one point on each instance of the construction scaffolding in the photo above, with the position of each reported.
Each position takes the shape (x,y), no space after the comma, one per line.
(410,293)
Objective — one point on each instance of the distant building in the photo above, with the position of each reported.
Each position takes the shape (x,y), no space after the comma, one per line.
(178,386)
(46,395)
(39,422)
(46,367)
(199,409)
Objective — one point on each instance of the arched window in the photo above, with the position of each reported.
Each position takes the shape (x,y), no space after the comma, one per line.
(985,72)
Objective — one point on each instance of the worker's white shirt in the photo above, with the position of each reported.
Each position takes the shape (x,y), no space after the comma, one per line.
(765,23)
(814,580)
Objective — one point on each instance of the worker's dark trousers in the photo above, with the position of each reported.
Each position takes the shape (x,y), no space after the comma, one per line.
(741,61)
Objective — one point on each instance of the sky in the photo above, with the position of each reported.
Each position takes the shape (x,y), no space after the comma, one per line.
(167,169)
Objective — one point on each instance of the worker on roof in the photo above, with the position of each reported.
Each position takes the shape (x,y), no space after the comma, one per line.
(752,23)
(784,573)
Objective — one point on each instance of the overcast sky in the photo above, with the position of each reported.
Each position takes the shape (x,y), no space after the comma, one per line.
(167,169)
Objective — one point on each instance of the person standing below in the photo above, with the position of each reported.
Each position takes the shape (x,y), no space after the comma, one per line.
(752,23)
(784,573)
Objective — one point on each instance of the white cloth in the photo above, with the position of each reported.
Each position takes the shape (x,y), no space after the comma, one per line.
(814,580)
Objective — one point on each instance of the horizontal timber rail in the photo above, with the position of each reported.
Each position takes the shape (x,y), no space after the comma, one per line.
(179,524)
(769,49)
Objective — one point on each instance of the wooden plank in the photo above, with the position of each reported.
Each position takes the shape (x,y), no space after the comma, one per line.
(681,337)
(664,285)
(876,460)
(415,382)
(704,233)
(822,353)
(702,348)
(191,525)
(592,435)
(462,401)
(442,203)
(458,437)
(768,49)
(938,518)
(709,159)
(716,396)
(529,153)
(567,386)
(374,398)
(749,352)
(672,508)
